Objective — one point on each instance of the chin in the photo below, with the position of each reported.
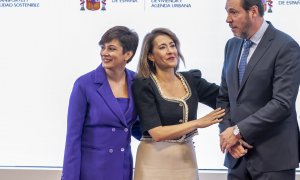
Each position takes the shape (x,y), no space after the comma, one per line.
(107,65)
(172,64)
(237,35)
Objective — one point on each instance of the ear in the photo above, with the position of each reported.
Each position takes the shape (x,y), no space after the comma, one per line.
(253,11)
(150,57)
(128,55)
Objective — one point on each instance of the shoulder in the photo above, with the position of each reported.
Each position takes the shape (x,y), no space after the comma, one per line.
(85,78)
(144,88)
(195,78)
(130,73)
(233,43)
(81,83)
(192,74)
(141,82)
(284,38)
(280,38)
(234,40)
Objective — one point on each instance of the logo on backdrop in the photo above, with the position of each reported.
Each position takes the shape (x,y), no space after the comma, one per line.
(92,5)
(268,5)
(100,5)
(289,3)
(171,4)
(18,4)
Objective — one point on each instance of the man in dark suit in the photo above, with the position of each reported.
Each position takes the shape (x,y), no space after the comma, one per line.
(259,87)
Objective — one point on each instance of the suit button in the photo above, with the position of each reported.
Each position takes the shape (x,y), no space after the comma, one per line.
(110,150)
(113,129)
(180,120)
(180,104)
(126,130)
(122,149)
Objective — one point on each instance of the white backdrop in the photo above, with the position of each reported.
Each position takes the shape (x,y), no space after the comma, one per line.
(45,45)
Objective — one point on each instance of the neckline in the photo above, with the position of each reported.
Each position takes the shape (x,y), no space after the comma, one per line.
(184,83)
(122,98)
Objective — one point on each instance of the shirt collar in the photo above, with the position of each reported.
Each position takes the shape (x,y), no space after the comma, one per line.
(259,34)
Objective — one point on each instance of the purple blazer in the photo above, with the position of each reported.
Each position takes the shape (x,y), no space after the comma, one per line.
(98,132)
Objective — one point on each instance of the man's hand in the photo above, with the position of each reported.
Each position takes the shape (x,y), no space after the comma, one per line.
(227,139)
(239,149)
(245,144)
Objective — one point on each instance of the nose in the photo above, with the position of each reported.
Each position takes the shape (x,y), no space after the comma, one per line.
(103,52)
(171,49)
(228,19)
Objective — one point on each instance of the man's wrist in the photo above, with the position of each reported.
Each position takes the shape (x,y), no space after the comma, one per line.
(236,132)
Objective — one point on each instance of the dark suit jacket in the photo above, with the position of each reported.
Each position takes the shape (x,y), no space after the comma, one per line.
(157,110)
(263,106)
(98,131)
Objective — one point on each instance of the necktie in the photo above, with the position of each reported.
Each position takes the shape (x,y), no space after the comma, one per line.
(243,61)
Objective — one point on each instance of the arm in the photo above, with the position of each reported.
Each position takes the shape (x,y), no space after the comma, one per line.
(207,92)
(223,98)
(145,102)
(223,102)
(226,131)
(284,93)
(136,130)
(76,115)
(237,151)
(161,133)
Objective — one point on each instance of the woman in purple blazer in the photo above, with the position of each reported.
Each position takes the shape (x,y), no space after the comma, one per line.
(101,115)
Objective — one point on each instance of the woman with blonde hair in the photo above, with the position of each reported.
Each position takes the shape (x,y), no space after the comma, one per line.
(167,103)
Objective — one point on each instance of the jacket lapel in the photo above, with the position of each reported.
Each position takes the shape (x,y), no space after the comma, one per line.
(130,113)
(236,64)
(258,54)
(106,93)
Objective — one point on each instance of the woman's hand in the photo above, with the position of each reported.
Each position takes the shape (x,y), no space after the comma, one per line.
(211,118)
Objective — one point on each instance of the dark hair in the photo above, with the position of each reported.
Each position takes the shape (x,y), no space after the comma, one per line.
(145,66)
(128,39)
(247,4)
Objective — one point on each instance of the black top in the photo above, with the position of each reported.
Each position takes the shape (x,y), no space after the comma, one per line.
(155,109)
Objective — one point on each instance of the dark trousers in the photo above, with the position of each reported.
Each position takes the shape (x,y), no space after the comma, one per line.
(244,171)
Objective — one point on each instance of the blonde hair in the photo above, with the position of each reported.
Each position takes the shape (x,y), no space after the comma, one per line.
(145,66)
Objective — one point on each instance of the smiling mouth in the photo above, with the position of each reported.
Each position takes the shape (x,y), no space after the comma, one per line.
(106,60)
(171,58)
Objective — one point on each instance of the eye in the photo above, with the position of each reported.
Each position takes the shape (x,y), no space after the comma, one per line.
(233,12)
(112,49)
(102,47)
(162,47)
(173,45)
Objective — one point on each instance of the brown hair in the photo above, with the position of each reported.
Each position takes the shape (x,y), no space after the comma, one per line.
(247,4)
(145,66)
(128,39)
